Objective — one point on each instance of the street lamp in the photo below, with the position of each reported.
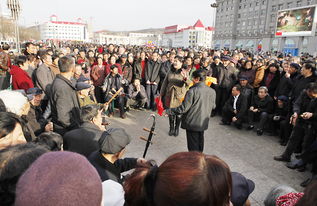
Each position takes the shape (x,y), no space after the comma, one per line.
(14,6)
(214,6)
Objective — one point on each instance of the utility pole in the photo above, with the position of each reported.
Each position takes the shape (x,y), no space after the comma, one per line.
(14,6)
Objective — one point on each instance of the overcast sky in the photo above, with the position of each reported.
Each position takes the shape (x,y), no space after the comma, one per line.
(118,15)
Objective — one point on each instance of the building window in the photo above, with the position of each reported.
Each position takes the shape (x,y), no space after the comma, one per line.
(274,8)
(289,4)
(280,6)
(299,3)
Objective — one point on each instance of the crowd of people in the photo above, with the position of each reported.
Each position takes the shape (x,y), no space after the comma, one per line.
(54,102)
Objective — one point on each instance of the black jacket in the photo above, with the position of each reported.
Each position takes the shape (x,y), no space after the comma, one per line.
(83,140)
(152,72)
(285,85)
(109,171)
(215,70)
(300,84)
(196,108)
(306,104)
(263,105)
(166,66)
(248,92)
(242,105)
(106,87)
(64,105)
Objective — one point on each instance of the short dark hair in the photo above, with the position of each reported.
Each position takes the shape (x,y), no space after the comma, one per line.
(8,122)
(65,64)
(20,60)
(312,87)
(6,47)
(113,66)
(201,74)
(238,87)
(179,58)
(310,66)
(27,44)
(274,65)
(50,140)
(88,112)
(15,161)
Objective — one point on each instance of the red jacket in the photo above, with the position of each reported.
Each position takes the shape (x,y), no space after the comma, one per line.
(20,79)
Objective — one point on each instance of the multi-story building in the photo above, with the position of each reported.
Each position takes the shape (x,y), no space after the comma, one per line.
(188,36)
(251,24)
(64,30)
(137,39)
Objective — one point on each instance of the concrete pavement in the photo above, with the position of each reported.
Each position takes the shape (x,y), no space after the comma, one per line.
(244,151)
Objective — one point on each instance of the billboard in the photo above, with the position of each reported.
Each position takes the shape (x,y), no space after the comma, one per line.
(296,22)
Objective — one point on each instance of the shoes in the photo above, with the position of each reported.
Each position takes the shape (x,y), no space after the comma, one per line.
(238,126)
(259,132)
(308,180)
(281,158)
(224,123)
(283,143)
(176,132)
(250,127)
(123,116)
(302,168)
(298,163)
(110,114)
(171,132)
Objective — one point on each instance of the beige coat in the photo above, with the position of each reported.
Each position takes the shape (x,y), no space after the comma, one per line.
(174,88)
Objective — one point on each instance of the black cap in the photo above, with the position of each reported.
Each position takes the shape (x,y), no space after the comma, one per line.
(241,189)
(114,140)
(82,85)
(124,56)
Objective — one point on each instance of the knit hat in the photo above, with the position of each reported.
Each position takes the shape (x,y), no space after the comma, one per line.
(243,78)
(226,58)
(31,92)
(241,189)
(114,140)
(82,85)
(282,98)
(59,178)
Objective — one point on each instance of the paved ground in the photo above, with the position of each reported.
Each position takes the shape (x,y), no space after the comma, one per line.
(243,151)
